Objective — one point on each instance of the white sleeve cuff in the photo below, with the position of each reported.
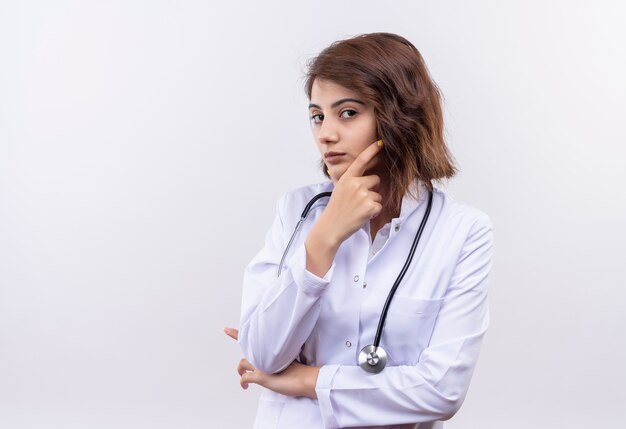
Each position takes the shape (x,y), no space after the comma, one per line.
(322,390)
(308,282)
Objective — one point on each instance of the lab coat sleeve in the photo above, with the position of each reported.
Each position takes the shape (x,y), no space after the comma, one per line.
(278,314)
(435,387)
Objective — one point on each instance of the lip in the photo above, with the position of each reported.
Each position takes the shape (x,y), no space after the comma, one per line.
(333,157)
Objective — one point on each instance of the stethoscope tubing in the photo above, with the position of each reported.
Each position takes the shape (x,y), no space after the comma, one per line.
(392,292)
(303,216)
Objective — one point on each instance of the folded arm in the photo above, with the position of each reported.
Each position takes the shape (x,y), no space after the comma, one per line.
(278,314)
(436,386)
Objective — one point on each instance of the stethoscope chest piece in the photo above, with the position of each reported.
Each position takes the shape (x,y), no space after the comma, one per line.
(372,359)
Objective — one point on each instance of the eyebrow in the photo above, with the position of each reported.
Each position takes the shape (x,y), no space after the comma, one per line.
(338,102)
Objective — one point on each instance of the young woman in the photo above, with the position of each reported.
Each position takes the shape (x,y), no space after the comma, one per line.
(387,240)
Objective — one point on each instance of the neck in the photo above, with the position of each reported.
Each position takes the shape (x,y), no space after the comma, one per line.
(387,212)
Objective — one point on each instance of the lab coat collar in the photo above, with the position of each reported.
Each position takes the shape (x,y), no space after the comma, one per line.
(409,203)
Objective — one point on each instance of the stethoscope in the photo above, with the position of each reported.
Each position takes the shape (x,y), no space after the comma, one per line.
(372,358)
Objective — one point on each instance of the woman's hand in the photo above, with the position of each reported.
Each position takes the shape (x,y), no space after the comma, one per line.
(296,380)
(353,202)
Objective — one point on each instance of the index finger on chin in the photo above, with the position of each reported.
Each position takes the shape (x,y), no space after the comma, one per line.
(360,164)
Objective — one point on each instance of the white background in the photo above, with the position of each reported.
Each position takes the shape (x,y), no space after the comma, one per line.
(143,146)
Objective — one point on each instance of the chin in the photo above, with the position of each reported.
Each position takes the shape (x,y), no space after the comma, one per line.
(335,175)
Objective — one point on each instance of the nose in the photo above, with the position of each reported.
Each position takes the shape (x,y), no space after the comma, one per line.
(328,132)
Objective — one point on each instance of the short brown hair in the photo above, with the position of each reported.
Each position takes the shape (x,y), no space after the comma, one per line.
(390,73)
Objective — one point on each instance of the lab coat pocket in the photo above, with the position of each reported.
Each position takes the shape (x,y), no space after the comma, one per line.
(408,328)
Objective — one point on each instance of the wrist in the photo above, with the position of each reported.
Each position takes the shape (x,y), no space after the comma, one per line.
(320,252)
(310,381)
(322,240)
(323,235)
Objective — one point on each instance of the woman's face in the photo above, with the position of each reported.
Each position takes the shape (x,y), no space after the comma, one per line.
(343,125)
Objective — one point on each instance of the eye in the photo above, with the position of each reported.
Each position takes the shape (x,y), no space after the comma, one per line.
(348,113)
(317,118)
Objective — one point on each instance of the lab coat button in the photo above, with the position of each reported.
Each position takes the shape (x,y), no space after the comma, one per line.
(356,278)
(397,228)
(348,344)
(364,285)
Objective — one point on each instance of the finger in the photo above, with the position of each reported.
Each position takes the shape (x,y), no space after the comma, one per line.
(375,196)
(232,333)
(255,377)
(243,369)
(243,383)
(240,369)
(375,209)
(360,164)
(244,366)
(246,379)
(370,182)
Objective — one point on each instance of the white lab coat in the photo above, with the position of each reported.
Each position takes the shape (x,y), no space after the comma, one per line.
(433,330)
